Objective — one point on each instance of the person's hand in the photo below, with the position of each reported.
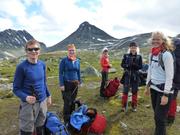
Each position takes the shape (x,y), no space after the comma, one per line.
(80,85)
(31,99)
(49,101)
(62,88)
(164,100)
(110,65)
(147,91)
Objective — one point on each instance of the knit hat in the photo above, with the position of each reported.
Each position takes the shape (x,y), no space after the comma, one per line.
(105,49)
(133,44)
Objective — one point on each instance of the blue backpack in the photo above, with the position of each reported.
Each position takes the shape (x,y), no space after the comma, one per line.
(54,126)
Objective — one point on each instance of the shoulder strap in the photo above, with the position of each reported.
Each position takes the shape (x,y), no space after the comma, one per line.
(161,62)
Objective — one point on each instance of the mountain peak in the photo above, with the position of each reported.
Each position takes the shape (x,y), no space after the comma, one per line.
(84,24)
(84,37)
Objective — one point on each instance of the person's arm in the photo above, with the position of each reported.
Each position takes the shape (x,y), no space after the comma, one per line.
(18,83)
(61,72)
(169,71)
(123,63)
(45,81)
(149,72)
(147,88)
(79,72)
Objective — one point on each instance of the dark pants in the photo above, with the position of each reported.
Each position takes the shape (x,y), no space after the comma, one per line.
(160,112)
(103,82)
(69,96)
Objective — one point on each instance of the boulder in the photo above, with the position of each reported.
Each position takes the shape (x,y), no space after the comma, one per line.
(90,71)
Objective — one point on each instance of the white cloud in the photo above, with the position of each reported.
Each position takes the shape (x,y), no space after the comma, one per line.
(54,20)
(12,8)
(5,23)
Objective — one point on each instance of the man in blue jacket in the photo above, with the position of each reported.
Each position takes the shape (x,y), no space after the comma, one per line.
(69,78)
(30,86)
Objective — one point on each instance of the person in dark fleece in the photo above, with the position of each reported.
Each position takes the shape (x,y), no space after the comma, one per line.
(131,63)
(176,84)
(30,86)
(69,79)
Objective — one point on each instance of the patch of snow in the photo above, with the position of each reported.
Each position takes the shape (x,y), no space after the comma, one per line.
(25,39)
(9,54)
(101,40)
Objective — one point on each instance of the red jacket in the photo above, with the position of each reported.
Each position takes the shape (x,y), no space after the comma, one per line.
(104,60)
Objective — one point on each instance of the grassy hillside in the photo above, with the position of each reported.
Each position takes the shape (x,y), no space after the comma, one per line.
(119,123)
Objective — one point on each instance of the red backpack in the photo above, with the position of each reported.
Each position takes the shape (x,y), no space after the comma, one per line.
(112,87)
(98,126)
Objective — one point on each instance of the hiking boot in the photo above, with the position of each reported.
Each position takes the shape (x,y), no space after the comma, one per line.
(170,120)
(123,109)
(134,109)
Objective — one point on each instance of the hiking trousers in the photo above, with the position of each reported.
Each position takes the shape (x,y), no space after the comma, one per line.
(103,82)
(160,112)
(69,96)
(32,116)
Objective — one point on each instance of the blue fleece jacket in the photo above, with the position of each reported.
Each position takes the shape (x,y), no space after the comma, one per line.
(30,79)
(69,70)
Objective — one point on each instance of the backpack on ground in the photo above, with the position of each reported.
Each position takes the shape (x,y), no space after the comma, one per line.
(112,87)
(98,126)
(54,126)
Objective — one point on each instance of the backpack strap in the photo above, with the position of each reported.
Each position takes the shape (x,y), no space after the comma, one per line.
(161,62)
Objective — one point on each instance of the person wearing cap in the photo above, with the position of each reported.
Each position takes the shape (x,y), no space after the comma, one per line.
(69,79)
(31,88)
(131,63)
(105,66)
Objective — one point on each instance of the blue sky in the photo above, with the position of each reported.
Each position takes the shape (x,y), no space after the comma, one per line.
(50,21)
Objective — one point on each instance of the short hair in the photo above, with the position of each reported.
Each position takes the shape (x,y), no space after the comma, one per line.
(32,42)
(71,46)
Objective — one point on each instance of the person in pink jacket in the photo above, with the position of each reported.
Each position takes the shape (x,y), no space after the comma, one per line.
(105,66)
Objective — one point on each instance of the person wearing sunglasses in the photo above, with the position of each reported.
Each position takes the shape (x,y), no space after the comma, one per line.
(69,79)
(31,88)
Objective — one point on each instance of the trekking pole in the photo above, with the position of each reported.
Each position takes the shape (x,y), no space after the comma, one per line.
(129,83)
(75,89)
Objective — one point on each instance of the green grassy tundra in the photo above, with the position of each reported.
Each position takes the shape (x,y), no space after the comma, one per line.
(118,123)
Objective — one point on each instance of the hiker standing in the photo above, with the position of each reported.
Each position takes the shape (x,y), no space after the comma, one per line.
(131,63)
(30,86)
(69,78)
(105,66)
(159,79)
(176,84)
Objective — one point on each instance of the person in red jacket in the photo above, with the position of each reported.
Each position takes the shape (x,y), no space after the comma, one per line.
(105,66)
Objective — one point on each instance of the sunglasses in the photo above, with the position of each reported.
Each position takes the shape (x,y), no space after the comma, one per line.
(71,51)
(33,49)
